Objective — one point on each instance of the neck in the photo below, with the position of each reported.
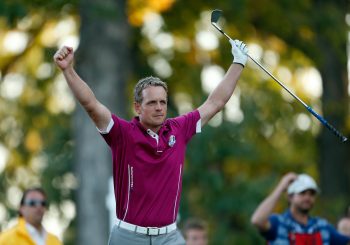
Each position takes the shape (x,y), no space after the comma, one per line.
(38,227)
(301,217)
(153,128)
(156,130)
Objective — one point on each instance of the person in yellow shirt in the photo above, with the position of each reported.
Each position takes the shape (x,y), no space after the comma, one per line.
(29,229)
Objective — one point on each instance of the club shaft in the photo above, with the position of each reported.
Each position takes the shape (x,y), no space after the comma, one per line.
(315,114)
(278,81)
(264,69)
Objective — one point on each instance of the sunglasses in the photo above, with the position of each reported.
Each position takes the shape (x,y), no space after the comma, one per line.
(35,203)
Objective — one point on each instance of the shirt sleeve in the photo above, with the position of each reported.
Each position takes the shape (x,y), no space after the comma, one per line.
(108,129)
(113,134)
(336,237)
(271,234)
(190,124)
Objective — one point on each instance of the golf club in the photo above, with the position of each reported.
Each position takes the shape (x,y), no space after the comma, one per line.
(215,16)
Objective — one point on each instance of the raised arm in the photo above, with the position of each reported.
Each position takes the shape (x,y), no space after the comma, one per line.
(222,93)
(260,217)
(100,114)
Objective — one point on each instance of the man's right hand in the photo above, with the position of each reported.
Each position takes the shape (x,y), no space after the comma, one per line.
(286,180)
(64,57)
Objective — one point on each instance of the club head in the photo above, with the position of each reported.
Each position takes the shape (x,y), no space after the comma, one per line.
(215,15)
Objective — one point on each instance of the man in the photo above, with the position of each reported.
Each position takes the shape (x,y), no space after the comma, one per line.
(195,232)
(29,230)
(295,226)
(148,152)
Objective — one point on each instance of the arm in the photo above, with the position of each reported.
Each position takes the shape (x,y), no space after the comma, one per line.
(260,217)
(100,114)
(222,93)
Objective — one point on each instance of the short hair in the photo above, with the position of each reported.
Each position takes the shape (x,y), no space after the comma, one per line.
(194,224)
(147,82)
(25,193)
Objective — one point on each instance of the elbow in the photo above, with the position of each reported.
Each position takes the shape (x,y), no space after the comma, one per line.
(220,103)
(261,225)
(257,222)
(91,107)
(254,221)
(217,105)
(89,104)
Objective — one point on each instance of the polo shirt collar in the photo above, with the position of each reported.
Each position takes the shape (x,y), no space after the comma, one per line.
(33,231)
(38,236)
(310,220)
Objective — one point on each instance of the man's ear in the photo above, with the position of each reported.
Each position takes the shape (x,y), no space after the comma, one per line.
(137,107)
(290,197)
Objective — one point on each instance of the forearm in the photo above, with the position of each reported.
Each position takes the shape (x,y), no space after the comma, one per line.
(100,114)
(261,215)
(97,112)
(223,92)
(79,88)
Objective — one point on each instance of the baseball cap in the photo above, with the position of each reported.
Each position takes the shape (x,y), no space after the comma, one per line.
(302,183)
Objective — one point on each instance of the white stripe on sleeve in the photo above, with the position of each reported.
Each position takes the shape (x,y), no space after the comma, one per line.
(199,126)
(109,127)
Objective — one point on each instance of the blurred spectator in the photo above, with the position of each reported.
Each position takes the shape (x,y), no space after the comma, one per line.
(344,224)
(295,225)
(29,229)
(195,232)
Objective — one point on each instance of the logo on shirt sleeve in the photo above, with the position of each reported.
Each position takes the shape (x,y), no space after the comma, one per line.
(172,141)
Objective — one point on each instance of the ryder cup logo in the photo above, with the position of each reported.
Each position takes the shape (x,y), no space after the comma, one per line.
(172,141)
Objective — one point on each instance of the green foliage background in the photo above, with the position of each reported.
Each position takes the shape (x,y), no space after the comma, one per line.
(230,168)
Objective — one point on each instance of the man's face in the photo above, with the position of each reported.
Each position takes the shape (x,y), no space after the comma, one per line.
(196,237)
(152,111)
(303,201)
(344,226)
(33,208)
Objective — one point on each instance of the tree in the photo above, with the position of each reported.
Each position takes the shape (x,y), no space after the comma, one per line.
(235,163)
(314,34)
(103,61)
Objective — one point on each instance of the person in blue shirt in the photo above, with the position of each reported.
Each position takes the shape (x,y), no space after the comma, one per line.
(295,225)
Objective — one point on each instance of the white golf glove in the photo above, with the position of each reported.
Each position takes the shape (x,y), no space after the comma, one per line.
(239,51)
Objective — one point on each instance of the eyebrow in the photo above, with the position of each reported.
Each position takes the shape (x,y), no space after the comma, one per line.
(154,101)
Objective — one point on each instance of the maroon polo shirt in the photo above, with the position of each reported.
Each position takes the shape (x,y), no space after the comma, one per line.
(147,168)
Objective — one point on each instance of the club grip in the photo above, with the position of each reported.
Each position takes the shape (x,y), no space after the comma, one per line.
(325,123)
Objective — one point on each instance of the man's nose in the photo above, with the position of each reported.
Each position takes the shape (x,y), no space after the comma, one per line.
(158,106)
